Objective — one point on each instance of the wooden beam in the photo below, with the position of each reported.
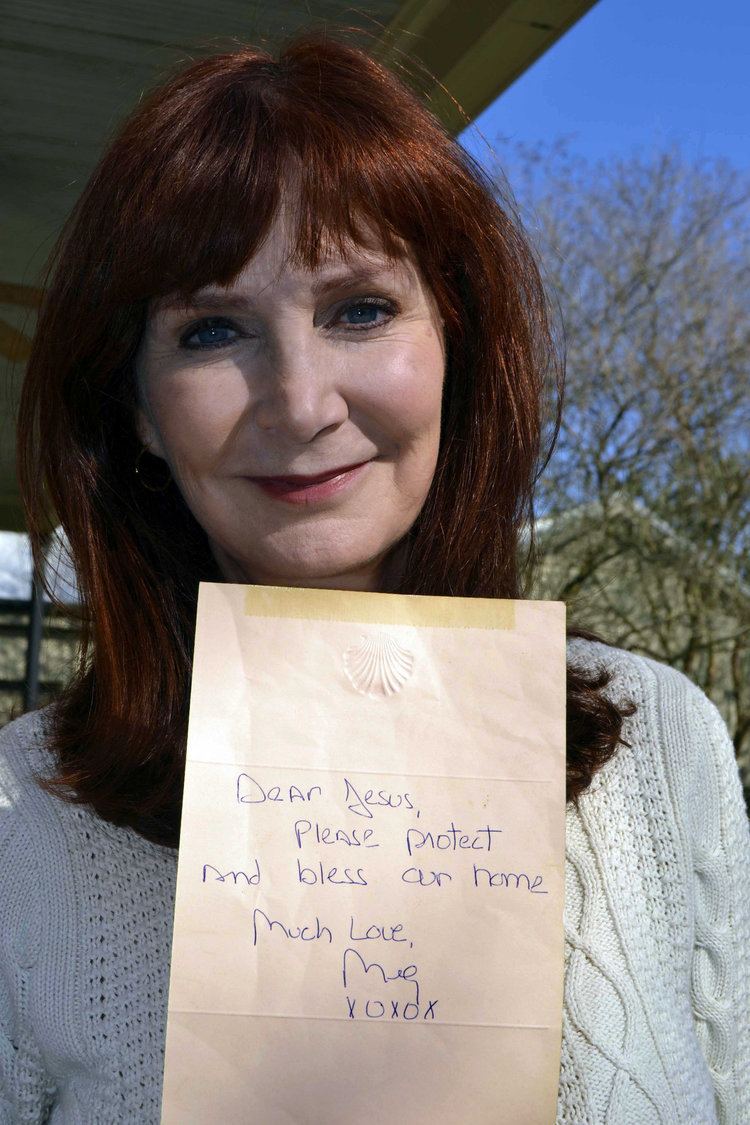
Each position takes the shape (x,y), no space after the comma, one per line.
(13,344)
(475,51)
(27,296)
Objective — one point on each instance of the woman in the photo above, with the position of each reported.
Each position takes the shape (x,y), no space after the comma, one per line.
(290,337)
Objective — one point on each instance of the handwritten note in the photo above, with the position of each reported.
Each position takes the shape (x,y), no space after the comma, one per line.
(368,924)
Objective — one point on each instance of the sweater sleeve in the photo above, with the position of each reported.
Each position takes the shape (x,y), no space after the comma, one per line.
(26,1090)
(720,971)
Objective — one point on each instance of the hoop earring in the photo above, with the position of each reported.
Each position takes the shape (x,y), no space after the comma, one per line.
(142,480)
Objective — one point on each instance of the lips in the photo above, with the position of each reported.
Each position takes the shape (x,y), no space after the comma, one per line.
(299,480)
(309,488)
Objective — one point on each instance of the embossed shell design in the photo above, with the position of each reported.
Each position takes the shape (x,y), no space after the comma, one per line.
(378,666)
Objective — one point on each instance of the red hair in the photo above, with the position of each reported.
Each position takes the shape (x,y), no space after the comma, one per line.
(182,197)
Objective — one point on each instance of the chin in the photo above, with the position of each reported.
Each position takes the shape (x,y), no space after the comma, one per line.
(325,570)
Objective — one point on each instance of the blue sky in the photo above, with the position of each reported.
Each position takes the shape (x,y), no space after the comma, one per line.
(636,73)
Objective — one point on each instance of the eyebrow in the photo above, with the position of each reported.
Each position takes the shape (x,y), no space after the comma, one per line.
(214,298)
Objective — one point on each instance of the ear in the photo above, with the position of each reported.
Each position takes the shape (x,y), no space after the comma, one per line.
(148,433)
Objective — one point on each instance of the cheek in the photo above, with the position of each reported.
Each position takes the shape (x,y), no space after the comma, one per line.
(196,416)
(406,393)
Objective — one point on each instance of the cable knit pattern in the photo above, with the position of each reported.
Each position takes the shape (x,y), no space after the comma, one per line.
(656,1016)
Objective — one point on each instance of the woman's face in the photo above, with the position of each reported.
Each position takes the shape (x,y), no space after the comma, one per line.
(299,412)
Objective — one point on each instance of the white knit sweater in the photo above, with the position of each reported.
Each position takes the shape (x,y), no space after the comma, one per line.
(656,1021)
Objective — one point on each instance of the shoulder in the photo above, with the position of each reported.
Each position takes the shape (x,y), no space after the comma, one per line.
(658,880)
(25,757)
(52,819)
(59,855)
(27,824)
(47,827)
(29,814)
(675,737)
(662,695)
(644,677)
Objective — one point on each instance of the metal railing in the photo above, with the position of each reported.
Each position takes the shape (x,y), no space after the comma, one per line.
(37,647)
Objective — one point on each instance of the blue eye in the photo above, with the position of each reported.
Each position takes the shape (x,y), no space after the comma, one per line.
(214,332)
(365,312)
(210,332)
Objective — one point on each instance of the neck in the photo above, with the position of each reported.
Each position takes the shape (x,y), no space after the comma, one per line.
(379,575)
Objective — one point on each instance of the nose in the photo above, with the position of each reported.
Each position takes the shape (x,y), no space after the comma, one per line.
(299,395)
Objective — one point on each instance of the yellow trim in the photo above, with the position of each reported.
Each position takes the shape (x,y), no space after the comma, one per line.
(379,609)
(473,51)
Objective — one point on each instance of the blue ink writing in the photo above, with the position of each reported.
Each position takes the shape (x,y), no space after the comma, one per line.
(353,960)
(292,933)
(376,1009)
(425,878)
(451,839)
(318,874)
(325,835)
(221,877)
(363,805)
(375,932)
(251,792)
(506,879)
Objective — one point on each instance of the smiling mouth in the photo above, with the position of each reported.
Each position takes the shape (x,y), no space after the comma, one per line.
(298,488)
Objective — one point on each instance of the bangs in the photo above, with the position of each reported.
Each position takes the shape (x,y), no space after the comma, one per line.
(201,210)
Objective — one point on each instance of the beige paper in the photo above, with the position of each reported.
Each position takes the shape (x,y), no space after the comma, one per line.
(368,926)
